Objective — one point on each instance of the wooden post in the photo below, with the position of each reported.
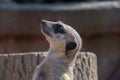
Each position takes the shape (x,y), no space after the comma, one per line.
(21,66)
(86,66)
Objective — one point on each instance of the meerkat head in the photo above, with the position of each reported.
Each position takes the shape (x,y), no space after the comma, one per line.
(59,32)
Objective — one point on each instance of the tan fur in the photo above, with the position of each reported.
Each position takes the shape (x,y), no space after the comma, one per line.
(58,65)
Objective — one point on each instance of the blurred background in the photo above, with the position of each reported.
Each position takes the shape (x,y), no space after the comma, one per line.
(97,21)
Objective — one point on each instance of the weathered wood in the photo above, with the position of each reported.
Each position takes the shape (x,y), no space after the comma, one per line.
(86,66)
(21,66)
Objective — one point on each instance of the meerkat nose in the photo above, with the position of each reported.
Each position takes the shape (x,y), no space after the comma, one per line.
(43,22)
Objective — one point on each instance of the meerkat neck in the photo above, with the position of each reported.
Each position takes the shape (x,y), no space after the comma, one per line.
(57,48)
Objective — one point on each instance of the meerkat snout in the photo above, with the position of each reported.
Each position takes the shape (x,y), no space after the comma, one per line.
(52,29)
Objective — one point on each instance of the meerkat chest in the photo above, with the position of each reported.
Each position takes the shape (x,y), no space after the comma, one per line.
(59,69)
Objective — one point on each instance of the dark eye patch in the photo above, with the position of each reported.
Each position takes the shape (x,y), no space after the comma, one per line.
(57,28)
(70,45)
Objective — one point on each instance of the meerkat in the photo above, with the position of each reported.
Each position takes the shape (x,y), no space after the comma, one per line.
(64,43)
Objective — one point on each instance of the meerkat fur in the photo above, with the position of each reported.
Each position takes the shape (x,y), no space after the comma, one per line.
(64,43)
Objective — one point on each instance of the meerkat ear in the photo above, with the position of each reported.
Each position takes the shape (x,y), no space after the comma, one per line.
(70,45)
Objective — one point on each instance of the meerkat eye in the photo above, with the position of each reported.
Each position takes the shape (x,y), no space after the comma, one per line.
(70,46)
(57,28)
